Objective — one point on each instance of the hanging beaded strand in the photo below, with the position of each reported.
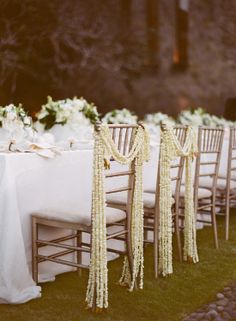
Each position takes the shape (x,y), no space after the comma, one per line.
(97,289)
(170,150)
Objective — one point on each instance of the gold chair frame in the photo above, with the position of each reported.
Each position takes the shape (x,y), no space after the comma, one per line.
(153,214)
(210,141)
(226,198)
(123,141)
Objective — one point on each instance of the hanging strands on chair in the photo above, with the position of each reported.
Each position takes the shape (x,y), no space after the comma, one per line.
(105,148)
(170,150)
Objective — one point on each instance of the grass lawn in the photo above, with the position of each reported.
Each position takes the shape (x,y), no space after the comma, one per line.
(168,299)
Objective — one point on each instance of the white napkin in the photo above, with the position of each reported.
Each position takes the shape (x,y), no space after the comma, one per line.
(47,152)
(75,144)
(42,145)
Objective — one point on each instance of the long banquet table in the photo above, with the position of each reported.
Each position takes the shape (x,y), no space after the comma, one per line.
(30,183)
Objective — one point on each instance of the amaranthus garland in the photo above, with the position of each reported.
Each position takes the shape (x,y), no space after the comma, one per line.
(170,150)
(97,290)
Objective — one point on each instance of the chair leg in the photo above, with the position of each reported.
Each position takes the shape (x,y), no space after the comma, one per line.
(129,247)
(79,253)
(94,306)
(156,243)
(214,224)
(145,230)
(130,258)
(177,232)
(34,250)
(227,214)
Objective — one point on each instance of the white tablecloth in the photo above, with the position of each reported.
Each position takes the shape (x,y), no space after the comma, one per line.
(30,183)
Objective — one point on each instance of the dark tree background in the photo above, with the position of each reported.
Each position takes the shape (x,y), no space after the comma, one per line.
(117,53)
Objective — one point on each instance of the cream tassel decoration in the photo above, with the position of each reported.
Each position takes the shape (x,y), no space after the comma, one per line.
(170,150)
(97,289)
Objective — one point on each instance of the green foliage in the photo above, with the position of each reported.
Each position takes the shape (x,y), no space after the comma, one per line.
(90,112)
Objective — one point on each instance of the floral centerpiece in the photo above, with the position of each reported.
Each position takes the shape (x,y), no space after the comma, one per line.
(120,116)
(66,111)
(14,114)
(212,120)
(199,117)
(192,117)
(15,124)
(68,118)
(153,122)
(156,119)
(18,135)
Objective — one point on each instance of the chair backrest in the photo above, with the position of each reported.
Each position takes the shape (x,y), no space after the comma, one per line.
(231,168)
(181,133)
(122,176)
(123,135)
(210,141)
(176,168)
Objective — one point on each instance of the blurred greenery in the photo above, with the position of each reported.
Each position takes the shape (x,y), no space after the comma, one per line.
(164,299)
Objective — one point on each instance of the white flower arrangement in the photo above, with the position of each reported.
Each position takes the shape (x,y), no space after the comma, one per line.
(68,111)
(152,123)
(212,120)
(18,135)
(120,116)
(192,117)
(15,124)
(12,115)
(156,119)
(199,117)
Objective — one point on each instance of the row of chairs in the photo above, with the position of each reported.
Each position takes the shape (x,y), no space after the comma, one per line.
(208,195)
(211,193)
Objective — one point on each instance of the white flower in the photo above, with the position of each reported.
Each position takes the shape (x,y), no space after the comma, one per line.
(156,119)
(79,119)
(11,116)
(120,116)
(79,103)
(42,113)
(9,108)
(10,112)
(27,121)
(63,115)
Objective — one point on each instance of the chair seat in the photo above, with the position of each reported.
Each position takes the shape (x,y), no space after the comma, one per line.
(121,199)
(221,183)
(202,192)
(112,215)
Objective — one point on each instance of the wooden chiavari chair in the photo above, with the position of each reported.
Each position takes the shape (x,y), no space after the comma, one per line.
(152,215)
(226,186)
(210,142)
(79,223)
(151,202)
